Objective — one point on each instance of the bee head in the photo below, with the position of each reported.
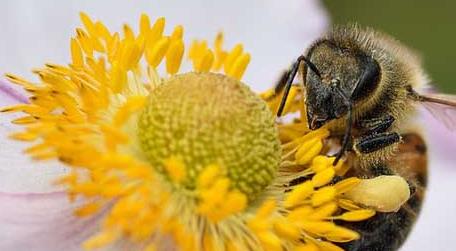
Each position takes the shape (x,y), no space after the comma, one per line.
(334,79)
(323,104)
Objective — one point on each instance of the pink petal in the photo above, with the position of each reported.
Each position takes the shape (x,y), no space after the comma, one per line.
(42,222)
(45,222)
(9,94)
(440,140)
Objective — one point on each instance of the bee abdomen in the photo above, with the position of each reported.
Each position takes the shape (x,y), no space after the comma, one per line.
(385,231)
(388,231)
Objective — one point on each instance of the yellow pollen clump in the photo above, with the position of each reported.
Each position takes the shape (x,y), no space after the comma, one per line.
(384,193)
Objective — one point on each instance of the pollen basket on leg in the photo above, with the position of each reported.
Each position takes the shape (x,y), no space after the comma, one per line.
(207,119)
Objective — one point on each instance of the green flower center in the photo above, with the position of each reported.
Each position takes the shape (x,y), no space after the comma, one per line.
(208,118)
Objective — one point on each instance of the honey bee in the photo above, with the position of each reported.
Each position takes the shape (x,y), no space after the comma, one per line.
(364,86)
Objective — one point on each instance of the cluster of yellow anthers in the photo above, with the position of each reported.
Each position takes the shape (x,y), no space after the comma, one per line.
(314,202)
(85,114)
(234,63)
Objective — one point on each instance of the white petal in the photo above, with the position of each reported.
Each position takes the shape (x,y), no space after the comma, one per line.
(42,222)
(17,172)
(274,32)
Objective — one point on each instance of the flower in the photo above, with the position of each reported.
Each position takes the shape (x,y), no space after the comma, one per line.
(193,160)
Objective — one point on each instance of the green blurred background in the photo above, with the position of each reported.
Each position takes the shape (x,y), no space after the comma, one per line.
(427,26)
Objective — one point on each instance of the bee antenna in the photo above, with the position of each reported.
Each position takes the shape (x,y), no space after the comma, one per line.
(347,134)
(311,66)
(291,76)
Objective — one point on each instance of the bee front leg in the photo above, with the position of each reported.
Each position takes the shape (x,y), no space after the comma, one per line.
(375,142)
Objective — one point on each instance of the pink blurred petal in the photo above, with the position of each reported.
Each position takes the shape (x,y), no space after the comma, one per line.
(45,222)
(42,222)
(9,94)
(440,140)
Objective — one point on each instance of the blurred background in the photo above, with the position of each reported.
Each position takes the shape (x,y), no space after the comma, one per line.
(426,26)
(275,32)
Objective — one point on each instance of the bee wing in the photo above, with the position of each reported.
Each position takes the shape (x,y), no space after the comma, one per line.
(442,107)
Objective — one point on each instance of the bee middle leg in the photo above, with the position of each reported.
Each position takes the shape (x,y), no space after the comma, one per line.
(375,136)
(376,125)
(375,142)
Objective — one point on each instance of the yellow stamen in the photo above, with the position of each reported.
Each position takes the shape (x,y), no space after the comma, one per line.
(324,177)
(307,247)
(207,177)
(132,105)
(328,246)
(298,194)
(113,137)
(239,66)
(178,33)
(317,134)
(308,151)
(197,50)
(175,168)
(100,240)
(317,227)
(156,32)
(87,210)
(24,136)
(76,54)
(323,195)
(155,54)
(84,42)
(358,215)
(205,64)
(348,204)
(128,33)
(144,24)
(320,163)
(347,184)
(217,201)
(174,56)
(324,211)
(300,213)
(88,24)
(232,57)
(270,241)
(287,230)
(340,234)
